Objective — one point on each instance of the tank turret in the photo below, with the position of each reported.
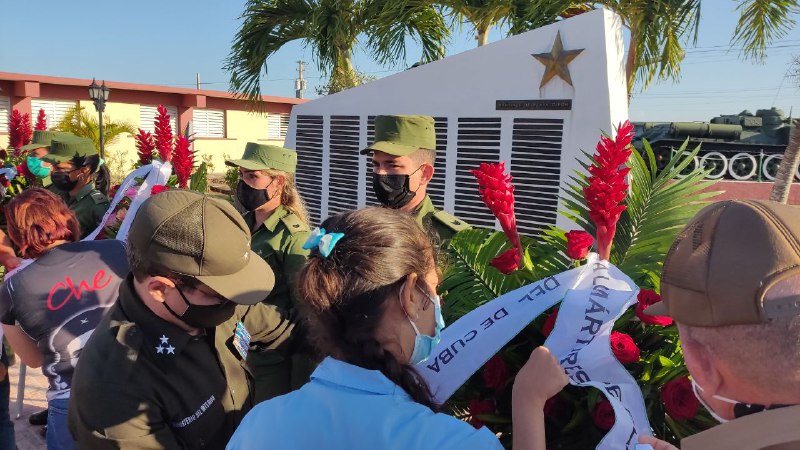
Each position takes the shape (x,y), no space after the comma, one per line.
(742,146)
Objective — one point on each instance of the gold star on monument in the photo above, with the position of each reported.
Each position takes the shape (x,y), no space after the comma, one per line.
(556,61)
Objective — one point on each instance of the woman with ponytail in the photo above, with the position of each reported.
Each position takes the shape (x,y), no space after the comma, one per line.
(369,302)
(80,179)
(278,223)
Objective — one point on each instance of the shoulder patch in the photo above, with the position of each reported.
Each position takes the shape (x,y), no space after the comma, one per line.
(451,221)
(98,197)
(293,224)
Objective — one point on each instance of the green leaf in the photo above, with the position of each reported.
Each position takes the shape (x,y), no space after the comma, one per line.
(199,179)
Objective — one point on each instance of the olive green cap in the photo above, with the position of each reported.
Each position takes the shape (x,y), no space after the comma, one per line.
(403,135)
(198,236)
(43,138)
(264,157)
(62,149)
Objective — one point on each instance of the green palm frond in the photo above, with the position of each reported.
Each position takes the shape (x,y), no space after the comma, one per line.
(396,21)
(80,122)
(761,22)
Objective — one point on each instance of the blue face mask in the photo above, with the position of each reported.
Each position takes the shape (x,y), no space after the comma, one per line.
(423,344)
(36,168)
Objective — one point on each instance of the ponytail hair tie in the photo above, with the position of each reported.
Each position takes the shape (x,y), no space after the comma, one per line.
(323,241)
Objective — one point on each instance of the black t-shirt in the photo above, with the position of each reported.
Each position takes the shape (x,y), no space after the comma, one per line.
(59,299)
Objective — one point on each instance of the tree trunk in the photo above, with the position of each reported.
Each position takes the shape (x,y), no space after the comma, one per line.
(788,167)
(630,63)
(482,35)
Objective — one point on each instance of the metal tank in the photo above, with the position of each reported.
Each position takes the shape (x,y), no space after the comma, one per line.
(743,146)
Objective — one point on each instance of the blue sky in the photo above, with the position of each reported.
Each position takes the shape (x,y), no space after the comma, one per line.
(167,42)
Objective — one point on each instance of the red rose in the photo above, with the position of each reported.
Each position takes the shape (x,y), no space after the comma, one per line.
(646,298)
(157,189)
(549,323)
(478,407)
(495,373)
(557,409)
(4,181)
(603,415)
(679,399)
(113,191)
(506,262)
(578,243)
(624,348)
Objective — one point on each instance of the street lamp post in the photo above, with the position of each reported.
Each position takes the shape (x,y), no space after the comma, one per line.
(99,94)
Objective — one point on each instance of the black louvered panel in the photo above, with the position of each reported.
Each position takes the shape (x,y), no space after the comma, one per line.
(436,188)
(308,143)
(371,200)
(478,142)
(344,146)
(536,168)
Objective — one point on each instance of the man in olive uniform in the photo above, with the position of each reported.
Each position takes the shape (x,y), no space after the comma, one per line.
(403,157)
(166,367)
(75,184)
(266,191)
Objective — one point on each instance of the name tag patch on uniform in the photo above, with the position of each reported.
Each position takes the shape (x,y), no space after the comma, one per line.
(241,339)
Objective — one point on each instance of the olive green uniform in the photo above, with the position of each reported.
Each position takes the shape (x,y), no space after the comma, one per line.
(440,225)
(279,241)
(191,394)
(89,205)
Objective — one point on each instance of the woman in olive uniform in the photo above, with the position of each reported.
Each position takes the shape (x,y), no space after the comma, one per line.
(279,225)
(76,171)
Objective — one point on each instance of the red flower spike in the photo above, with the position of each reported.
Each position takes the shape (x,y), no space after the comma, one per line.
(157,189)
(624,348)
(163,131)
(182,161)
(478,407)
(646,298)
(578,243)
(41,121)
(603,415)
(679,399)
(495,373)
(497,192)
(19,131)
(145,146)
(607,187)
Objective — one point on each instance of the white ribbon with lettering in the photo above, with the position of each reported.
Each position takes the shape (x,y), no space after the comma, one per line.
(597,288)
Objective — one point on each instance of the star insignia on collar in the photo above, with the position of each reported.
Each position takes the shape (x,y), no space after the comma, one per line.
(160,349)
(164,339)
(170,350)
(556,61)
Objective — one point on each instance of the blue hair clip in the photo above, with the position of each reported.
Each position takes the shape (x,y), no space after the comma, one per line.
(322,241)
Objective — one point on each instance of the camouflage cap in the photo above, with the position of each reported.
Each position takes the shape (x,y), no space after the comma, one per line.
(198,236)
(62,150)
(403,135)
(43,138)
(265,157)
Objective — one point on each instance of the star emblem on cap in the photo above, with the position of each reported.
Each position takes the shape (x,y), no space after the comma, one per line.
(556,61)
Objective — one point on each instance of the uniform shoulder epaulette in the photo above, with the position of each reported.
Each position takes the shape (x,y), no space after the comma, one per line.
(450,221)
(98,197)
(293,224)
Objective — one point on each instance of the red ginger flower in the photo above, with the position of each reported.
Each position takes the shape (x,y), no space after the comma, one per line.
(495,373)
(679,399)
(624,348)
(19,131)
(157,189)
(645,298)
(145,146)
(607,187)
(41,121)
(163,134)
(578,243)
(603,415)
(497,192)
(478,407)
(182,161)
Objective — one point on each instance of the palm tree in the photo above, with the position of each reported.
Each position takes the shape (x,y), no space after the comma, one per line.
(80,123)
(332,28)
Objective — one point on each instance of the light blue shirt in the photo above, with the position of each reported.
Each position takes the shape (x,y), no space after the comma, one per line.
(350,408)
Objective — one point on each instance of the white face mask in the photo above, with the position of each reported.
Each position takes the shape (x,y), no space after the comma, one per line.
(696,387)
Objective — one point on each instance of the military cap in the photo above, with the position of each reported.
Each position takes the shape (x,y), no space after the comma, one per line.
(43,138)
(266,157)
(403,135)
(62,150)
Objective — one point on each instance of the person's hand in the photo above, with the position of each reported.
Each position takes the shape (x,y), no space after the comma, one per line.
(10,262)
(657,444)
(540,378)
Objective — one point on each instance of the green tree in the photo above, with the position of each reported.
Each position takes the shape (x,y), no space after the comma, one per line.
(80,123)
(332,28)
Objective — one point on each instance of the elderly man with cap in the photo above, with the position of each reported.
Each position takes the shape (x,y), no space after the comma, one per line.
(76,170)
(403,157)
(166,366)
(278,221)
(731,282)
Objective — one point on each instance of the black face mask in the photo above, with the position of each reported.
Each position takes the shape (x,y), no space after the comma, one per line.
(393,191)
(204,316)
(251,198)
(62,182)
